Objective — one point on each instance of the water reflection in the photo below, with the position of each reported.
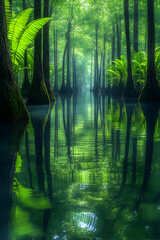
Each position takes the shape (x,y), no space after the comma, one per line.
(9,145)
(90,170)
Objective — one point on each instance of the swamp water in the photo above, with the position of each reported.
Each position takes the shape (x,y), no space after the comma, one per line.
(88,168)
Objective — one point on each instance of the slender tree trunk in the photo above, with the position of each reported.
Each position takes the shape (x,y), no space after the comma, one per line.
(96,87)
(113,43)
(150,92)
(26,83)
(91,73)
(74,69)
(62,89)
(38,85)
(68,85)
(135,31)
(46,62)
(11,103)
(129,91)
(104,61)
(56,90)
(118,41)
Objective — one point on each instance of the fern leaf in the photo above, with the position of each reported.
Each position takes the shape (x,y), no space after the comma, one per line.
(28,36)
(17,26)
(8,13)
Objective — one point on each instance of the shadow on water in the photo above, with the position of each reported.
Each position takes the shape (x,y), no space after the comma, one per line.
(9,146)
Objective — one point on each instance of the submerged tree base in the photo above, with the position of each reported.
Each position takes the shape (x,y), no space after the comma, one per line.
(38,94)
(12,105)
(129,91)
(65,90)
(150,94)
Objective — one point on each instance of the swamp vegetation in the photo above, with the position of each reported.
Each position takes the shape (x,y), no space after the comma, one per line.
(79,119)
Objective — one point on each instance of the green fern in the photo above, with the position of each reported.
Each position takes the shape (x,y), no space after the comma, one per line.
(8,12)
(21,35)
(27,37)
(16,27)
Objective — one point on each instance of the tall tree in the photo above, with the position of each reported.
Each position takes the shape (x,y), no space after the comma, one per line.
(38,85)
(150,92)
(11,103)
(135,33)
(46,61)
(129,90)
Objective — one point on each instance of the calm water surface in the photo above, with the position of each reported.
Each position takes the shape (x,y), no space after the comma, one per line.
(88,168)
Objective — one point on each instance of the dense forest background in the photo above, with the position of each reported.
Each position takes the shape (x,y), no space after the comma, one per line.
(110,47)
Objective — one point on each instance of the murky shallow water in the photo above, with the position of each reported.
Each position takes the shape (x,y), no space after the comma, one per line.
(86,170)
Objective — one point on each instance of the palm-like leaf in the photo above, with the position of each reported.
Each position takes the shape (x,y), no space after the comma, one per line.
(27,38)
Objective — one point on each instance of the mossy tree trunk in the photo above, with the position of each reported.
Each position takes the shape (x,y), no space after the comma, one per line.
(38,94)
(46,65)
(129,91)
(11,103)
(150,92)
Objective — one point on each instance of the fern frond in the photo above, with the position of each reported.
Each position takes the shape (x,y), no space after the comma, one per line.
(27,37)
(17,26)
(8,13)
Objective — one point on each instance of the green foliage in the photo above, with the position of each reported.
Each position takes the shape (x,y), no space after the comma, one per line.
(8,12)
(118,70)
(21,35)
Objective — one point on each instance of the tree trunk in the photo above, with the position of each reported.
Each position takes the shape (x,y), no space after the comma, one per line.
(26,83)
(150,92)
(68,85)
(11,103)
(104,62)
(129,90)
(135,33)
(96,87)
(62,89)
(38,85)
(118,42)
(56,90)
(113,43)
(46,62)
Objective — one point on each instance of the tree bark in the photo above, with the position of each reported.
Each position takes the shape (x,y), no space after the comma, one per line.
(135,33)
(46,62)
(38,85)
(150,92)
(129,90)
(11,103)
